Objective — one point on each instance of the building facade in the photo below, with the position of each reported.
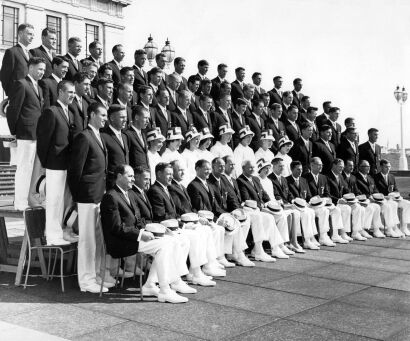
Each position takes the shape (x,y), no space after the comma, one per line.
(89,20)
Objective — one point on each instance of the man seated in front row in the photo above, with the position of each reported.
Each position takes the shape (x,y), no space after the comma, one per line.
(125,235)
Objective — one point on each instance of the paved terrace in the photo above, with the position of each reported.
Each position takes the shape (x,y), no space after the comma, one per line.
(359,291)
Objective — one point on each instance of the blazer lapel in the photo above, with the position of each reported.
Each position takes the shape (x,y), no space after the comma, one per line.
(61,110)
(98,142)
(22,52)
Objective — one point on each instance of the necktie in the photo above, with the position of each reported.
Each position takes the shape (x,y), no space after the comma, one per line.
(164,112)
(127,197)
(297,183)
(66,114)
(35,88)
(167,192)
(80,102)
(280,180)
(141,139)
(316,177)
(328,146)
(119,137)
(75,63)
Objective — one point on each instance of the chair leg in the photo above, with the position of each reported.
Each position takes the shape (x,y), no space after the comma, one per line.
(28,268)
(61,270)
(54,264)
(103,273)
(116,277)
(48,265)
(140,275)
(135,266)
(123,271)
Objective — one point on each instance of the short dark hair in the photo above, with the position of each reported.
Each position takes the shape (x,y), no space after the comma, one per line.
(203,62)
(336,161)
(137,110)
(333,109)
(58,60)
(80,76)
(47,30)
(215,160)
(103,81)
(348,120)
(324,127)
(200,163)
(277,78)
(120,169)
(115,108)
(310,109)
(372,130)
(384,162)
(139,52)
(304,125)
(256,102)
(36,61)
(62,85)
(304,98)
(276,160)
(104,67)
(22,27)
(326,103)
(160,167)
(297,80)
(294,164)
(158,55)
(221,66)
(286,93)
(93,44)
(240,68)
(193,79)
(203,97)
(140,170)
(73,40)
(143,89)
(93,107)
(177,60)
(205,82)
(115,47)
(256,74)
(125,69)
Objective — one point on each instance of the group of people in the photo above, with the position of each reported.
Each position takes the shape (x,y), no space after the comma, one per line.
(184,168)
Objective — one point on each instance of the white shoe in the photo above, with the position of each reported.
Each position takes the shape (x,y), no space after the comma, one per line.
(171,297)
(378,234)
(405,230)
(106,284)
(93,288)
(223,261)
(126,275)
(242,260)
(365,234)
(183,288)
(346,237)
(398,231)
(278,253)
(150,291)
(286,250)
(296,248)
(340,240)
(327,242)
(314,241)
(264,257)
(358,236)
(202,281)
(57,242)
(309,245)
(213,271)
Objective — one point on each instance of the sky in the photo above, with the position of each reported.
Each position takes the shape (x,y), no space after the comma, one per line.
(353,53)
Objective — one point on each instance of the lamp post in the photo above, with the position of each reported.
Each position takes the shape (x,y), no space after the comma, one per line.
(401,98)
(151,49)
(169,52)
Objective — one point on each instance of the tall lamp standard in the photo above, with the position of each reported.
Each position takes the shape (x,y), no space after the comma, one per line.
(401,98)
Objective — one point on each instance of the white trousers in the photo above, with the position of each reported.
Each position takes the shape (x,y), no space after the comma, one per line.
(236,242)
(304,220)
(167,266)
(335,214)
(25,154)
(405,214)
(218,236)
(352,216)
(322,215)
(390,214)
(56,189)
(281,220)
(371,217)
(264,227)
(90,241)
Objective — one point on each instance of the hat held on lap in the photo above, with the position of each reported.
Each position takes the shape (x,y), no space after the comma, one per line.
(299,203)
(395,196)
(172,224)
(350,198)
(156,229)
(206,214)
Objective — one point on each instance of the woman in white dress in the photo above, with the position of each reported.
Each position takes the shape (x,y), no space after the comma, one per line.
(205,141)
(190,154)
(155,141)
(284,147)
(221,148)
(174,140)
(264,169)
(243,152)
(266,143)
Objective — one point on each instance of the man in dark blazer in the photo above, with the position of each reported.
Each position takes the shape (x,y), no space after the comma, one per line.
(297,95)
(385,181)
(256,123)
(324,118)
(291,127)
(14,65)
(49,84)
(222,115)
(74,50)
(26,102)
(310,118)
(238,84)
(179,193)
(141,185)
(347,149)
(218,80)
(162,115)
(123,98)
(274,123)
(334,113)
(179,67)
(350,178)
(115,141)
(54,139)
(238,120)
(116,66)
(302,147)
(298,185)
(276,94)
(202,117)
(79,105)
(124,236)
(324,149)
(86,178)
(317,182)
(371,151)
(182,117)
(137,142)
(257,80)
(172,87)
(140,76)
(47,49)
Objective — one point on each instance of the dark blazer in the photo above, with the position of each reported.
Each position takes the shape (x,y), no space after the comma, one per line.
(277,131)
(252,192)
(49,87)
(200,122)
(321,188)
(163,206)
(219,119)
(281,189)
(160,121)
(351,183)
(178,120)
(366,153)
(180,196)
(367,186)
(236,91)
(327,156)
(116,76)
(144,205)
(292,132)
(202,199)
(221,192)
(302,191)
(234,199)
(384,187)
(315,134)
(87,169)
(172,105)
(345,152)
(257,130)
(13,68)
(72,69)
(299,152)
(137,152)
(321,120)
(296,100)
(274,97)
(336,133)
(139,79)
(216,88)
(128,108)
(121,223)
(237,124)
(257,94)
(336,190)
(79,114)
(54,138)
(116,154)
(41,52)
(24,109)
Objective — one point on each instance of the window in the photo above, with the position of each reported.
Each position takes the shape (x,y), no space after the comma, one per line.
(91,34)
(10,24)
(55,23)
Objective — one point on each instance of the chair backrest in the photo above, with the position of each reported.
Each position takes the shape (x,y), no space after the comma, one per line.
(35,221)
